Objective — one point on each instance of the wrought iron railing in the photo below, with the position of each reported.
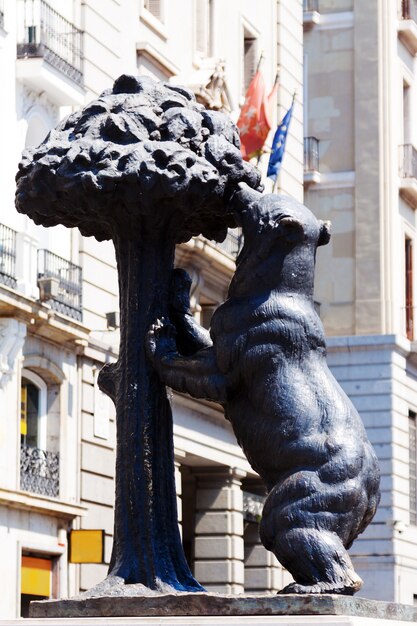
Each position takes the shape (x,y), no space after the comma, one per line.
(49,35)
(311,154)
(68,300)
(408,161)
(409,10)
(7,256)
(311,5)
(253,505)
(39,471)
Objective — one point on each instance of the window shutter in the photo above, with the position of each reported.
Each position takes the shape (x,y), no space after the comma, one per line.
(154,7)
(409,303)
(202,26)
(249,62)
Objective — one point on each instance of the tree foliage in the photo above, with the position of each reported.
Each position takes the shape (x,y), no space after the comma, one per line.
(144,156)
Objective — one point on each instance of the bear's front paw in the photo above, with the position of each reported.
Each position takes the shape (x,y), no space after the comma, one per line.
(160,341)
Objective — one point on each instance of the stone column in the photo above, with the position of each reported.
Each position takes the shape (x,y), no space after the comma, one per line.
(263,572)
(218,545)
(179,455)
(12,337)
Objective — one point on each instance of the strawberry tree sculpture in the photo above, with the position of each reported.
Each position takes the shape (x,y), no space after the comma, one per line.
(148,167)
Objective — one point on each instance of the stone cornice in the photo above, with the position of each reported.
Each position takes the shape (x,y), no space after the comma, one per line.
(40,504)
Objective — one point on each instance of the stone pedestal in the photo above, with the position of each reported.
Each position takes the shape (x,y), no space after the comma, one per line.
(218,544)
(203,608)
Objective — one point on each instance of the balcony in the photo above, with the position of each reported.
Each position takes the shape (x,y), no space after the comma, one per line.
(407,25)
(311,14)
(49,52)
(8,256)
(408,174)
(39,471)
(311,161)
(64,293)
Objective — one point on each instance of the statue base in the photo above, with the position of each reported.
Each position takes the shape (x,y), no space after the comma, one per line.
(330,609)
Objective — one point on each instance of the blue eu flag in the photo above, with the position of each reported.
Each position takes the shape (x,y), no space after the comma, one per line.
(278,144)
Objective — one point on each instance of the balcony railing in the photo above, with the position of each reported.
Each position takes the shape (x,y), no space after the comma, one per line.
(8,256)
(311,154)
(408,161)
(39,471)
(49,35)
(68,299)
(311,5)
(409,10)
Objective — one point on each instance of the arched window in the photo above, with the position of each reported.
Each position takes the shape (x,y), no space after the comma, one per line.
(40,422)
(33,416)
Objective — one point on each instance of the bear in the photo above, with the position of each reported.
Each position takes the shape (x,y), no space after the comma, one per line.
(265,362)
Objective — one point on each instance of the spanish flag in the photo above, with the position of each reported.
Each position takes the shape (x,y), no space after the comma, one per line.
(255,118)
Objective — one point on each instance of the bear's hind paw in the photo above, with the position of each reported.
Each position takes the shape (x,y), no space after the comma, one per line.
(323,587)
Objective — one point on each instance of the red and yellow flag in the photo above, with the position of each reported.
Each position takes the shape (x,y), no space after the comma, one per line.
(255,118)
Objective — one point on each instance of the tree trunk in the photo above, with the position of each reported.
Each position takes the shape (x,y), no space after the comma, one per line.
(147,545)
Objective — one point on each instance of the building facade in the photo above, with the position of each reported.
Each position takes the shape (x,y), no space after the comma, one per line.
(360,88)
(59,296)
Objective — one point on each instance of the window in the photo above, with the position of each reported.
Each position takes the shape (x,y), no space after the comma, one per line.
(249,59)
(155,7)
(202,25)
(412,451)
(409,305)
(406,113)
(33,411)
(39,436)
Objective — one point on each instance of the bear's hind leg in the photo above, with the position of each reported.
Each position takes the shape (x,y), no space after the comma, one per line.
(317,561)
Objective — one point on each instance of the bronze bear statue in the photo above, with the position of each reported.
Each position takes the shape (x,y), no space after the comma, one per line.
(265,361)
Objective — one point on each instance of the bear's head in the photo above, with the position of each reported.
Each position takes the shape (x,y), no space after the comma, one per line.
(280,241)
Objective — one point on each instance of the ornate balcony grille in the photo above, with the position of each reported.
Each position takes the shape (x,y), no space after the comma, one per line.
(311,5)
(408,161)
(49,35)
(39,471)
(7,256)
(252,506)
(409,10)
(69,276)
(311,154)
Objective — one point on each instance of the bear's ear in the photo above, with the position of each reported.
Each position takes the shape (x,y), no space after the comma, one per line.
(325,234)
(290,229)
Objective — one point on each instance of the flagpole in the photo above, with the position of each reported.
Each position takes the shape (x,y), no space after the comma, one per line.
(277,75)
(261,58)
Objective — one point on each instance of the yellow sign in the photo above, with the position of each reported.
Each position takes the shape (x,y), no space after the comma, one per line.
(86,546)
(36,576)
